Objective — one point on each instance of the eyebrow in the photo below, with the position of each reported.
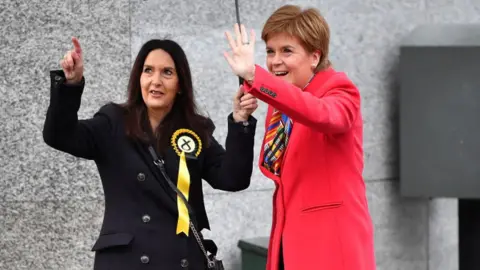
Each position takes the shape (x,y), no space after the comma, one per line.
(283,47)
(150,66)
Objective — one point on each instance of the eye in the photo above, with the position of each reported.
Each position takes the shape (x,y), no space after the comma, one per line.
(287,50)
(168,72)
(269,51)
(147,70)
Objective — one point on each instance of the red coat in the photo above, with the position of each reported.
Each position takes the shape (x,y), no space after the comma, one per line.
(320,210)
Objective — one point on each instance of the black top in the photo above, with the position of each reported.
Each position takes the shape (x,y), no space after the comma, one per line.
(140,219)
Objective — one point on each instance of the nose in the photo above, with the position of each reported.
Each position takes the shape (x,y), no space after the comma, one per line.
(157,80)
(277,60)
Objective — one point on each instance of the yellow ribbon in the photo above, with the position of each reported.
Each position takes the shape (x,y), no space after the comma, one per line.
(184,141)
(183,184)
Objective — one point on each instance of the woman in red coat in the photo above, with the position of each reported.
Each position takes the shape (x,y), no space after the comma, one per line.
(312,147)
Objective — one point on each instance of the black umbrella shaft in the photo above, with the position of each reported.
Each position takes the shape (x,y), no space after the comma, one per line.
(237,11)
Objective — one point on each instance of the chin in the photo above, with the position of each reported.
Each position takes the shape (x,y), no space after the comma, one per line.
(286,78)
(156,105)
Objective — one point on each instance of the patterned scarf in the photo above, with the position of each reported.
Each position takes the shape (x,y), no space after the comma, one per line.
(276,141)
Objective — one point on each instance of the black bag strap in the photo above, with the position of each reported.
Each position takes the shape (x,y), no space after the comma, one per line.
(198,236)
(161,165)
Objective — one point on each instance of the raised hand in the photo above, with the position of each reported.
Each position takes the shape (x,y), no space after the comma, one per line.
(241,58)
(72,63)
(244,105)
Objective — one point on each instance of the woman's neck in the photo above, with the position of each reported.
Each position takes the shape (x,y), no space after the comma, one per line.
(156,117)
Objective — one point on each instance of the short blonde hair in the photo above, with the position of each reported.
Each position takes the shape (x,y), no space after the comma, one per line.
(308,25)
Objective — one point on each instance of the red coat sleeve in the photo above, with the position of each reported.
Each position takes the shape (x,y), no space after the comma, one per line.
(331,107)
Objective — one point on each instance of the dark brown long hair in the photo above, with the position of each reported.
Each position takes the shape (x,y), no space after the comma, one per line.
(184,112)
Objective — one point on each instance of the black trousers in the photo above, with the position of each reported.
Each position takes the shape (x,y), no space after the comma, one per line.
(281,266)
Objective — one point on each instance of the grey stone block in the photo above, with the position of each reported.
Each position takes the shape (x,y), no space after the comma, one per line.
(35,36)
(401,227)
(49,235)
(443,234)
(439,106)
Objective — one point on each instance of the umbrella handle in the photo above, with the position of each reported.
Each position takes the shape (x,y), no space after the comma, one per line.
(237,11)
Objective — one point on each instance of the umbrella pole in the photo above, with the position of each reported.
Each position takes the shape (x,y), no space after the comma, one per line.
(237,11)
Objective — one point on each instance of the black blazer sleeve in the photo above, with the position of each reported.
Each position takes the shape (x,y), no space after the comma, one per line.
(230,169)
(62,130)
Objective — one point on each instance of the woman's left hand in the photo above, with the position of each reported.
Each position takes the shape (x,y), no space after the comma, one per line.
(244,105)
(241,59)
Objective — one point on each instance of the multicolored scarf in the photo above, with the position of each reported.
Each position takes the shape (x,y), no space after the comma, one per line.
(276,141)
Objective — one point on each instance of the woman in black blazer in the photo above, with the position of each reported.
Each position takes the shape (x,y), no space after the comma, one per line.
(146,223)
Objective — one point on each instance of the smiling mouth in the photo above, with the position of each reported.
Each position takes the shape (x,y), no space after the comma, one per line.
(280,73)
(156,93)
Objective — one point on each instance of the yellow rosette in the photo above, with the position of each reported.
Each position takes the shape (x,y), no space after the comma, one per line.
(184,142)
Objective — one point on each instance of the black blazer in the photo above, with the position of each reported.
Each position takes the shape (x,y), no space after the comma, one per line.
(140,218)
